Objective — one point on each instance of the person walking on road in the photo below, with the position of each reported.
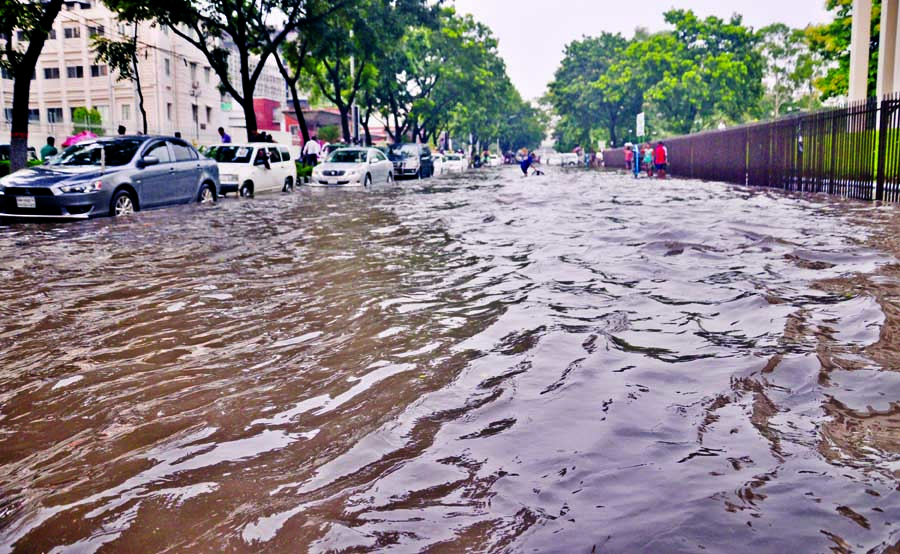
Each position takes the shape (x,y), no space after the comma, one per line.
(226,138)
(311,151)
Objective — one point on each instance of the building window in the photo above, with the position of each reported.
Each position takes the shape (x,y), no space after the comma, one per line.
(126,112)
(96,31)
(206,72)
(34,116)
(195,113)
(208,114)
(54,115)
(7,114)
(99,71)
(4,73)
(193,71)
(52,34)
(169,111)
(72,32)
(168,66)
(51,73)
(75,72)
(21,36)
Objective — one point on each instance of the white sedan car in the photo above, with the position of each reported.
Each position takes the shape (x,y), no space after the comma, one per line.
(353,167)
(454,163)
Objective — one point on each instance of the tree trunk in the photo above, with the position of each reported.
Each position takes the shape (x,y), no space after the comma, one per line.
(249,118)
(298,109)
(137,81)
(345,121)
(18,144)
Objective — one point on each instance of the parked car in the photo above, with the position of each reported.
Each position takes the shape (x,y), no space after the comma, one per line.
(494,161)
(454,163)
(110,176)
(353,167)
(411,160)
(564,159)
(254,167)
(4,153)
(437,162)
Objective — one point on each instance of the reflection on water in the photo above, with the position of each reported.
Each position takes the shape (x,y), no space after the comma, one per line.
(485,363)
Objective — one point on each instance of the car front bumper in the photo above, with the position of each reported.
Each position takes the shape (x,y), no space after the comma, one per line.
(49,206)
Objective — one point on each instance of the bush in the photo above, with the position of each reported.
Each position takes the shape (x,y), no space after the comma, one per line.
(4,166)
(303,170)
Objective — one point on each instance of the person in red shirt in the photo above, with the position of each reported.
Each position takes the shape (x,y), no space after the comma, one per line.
(661,159)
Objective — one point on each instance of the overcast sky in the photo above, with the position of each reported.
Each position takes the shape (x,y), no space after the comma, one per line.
(533,33)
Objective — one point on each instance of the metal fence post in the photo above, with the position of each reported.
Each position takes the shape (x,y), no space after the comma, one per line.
(884,122)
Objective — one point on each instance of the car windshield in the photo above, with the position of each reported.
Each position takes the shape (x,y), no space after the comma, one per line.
(403,151)
(230,154)
(348,156)
(452,158)
(118,152)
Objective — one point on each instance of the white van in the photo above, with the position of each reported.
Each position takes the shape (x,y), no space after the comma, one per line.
(254,167)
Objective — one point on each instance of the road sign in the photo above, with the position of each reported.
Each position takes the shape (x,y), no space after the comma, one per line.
(640,124)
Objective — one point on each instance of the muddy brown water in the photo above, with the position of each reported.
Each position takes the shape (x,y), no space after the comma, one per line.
(485,363)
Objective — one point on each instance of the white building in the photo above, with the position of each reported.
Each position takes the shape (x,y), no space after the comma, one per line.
(180,88)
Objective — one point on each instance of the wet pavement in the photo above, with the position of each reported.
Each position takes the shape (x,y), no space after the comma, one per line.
(484,363)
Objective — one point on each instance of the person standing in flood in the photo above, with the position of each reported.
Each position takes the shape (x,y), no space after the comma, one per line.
(661,159)
(648,159)
(629,156)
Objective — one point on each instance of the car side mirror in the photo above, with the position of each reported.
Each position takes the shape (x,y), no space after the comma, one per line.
(148,161)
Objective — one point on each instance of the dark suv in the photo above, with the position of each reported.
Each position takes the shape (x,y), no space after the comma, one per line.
(411,160)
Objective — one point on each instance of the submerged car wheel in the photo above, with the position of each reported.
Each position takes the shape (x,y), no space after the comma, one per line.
(246,190)
(288,184)
(206,195)
(390,178)
(122,204)
(368,182)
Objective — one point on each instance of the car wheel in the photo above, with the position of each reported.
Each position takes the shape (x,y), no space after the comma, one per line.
(246,190)
(122,204)
(418,174)
(390,178)
(288,185)
(368,181)
(206,196)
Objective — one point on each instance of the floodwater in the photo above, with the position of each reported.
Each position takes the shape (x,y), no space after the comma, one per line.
(572,363)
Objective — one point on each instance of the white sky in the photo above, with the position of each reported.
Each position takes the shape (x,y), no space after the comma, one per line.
(533,33)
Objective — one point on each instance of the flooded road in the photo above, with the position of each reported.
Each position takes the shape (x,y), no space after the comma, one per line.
(573,363)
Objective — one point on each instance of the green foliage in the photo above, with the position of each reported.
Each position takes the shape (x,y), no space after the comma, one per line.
(791,70)
(831,41)
(303,170)
(330,133)
(85,119)
(5,164)
(702,73)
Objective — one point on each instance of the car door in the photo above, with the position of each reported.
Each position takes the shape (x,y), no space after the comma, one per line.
(154,179)
(186,177)
(425,162)
(278,174)
(383,164)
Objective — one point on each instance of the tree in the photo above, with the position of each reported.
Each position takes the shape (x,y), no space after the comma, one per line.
(831,41)
(122,57)
(35,20)
(84,119)
(791,68)
(341,60)
(330,133)
(700,75)
(222,28)
(595,87)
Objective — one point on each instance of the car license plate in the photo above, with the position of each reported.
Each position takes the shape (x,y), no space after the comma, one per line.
(25,202)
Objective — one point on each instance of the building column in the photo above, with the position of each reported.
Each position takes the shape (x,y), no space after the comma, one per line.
(896,52)
(859,49)
(887,48)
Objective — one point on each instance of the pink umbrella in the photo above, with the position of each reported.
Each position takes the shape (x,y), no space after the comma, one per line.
(75,139)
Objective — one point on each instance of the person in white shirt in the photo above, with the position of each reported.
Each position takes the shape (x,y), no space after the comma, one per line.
(311,151)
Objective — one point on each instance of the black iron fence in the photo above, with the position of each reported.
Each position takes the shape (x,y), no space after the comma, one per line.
(852,151)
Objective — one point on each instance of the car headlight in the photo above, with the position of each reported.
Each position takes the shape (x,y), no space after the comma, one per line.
(317,171)
(81,188)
